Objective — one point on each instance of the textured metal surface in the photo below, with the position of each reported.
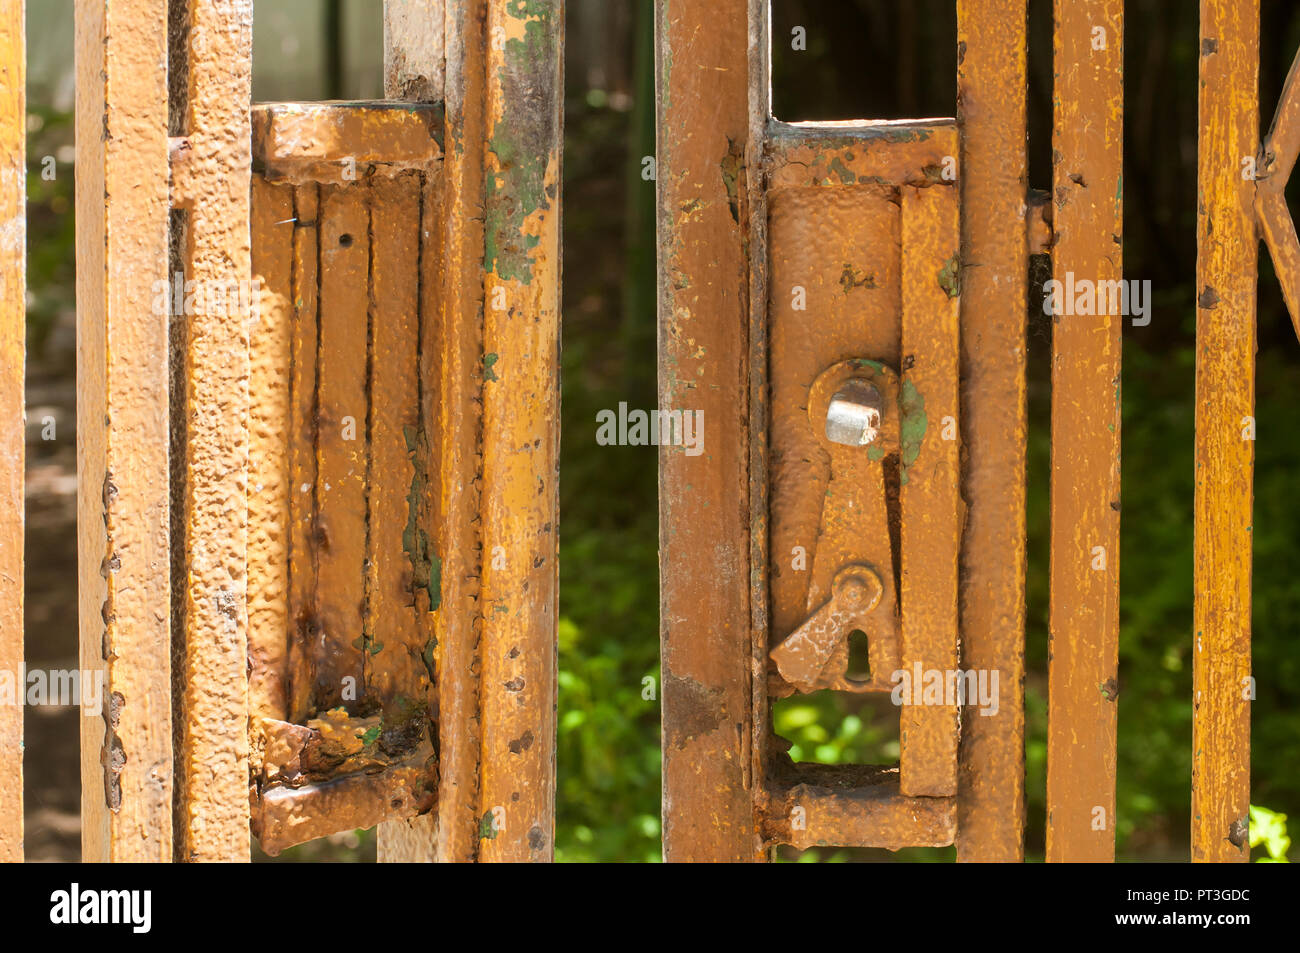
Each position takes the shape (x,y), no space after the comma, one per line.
(339,464)
(1083,690)
(704,513)
(863,275)
(123,577)
(520,505)
(856,806)
(213,741)
(269,476)
(991,81)
(340,143)
(13,337)
(1227,258)
(455,482)
(932,512)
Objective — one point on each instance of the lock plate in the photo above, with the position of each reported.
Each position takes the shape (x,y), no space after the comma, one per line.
(864,437)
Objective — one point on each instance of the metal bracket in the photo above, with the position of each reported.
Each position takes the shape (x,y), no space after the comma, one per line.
(853,406)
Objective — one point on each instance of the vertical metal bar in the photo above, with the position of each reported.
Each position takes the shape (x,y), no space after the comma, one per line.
(415,839)
(456,434)
(122,427)
(13,338)
(1087,150)
(393,616)
(269,477)
(1226,263)
(754,202)
(703,81)
(213,755)
(397,614)
(929,494)
(342,445)
(302,449)
(520,370)
(991,95)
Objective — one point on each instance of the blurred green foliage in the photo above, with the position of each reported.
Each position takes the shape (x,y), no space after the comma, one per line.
(51,227)
(1268,830)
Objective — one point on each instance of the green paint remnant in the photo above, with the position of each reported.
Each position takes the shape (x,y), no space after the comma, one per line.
(488,361)
(486,829)
(912,426)
(376,648)
(523,141)
(874,454)
(839,168)
(415,541)
(371,735)
(950,277)
(851,278)
(867,362)
(435,582)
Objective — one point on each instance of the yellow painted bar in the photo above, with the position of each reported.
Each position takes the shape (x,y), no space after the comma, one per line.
(991,116)
(1226,264)
(520,372)
(268,452)
(13,343)
(302,452)
(704,320)
(1083,690)
(454,490)
(342,448)
(930,497)
(394,625)
(122,428)
(213,756)
(415,839)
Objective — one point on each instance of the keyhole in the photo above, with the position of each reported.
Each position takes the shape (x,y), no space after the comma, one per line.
(859,667)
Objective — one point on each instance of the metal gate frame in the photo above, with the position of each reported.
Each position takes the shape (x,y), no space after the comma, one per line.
(716,136)
(163,183)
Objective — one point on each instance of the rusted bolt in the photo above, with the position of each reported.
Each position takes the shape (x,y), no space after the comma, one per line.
(853,416)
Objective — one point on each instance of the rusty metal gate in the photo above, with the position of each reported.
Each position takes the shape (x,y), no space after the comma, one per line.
(317,484)
(847,302)
(317,505)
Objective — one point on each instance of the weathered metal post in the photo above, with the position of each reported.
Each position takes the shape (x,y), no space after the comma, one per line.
(991,116)
(124,555)
(211,182)
(13,338)
(1226,269)
(1087,195)
(701,169)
